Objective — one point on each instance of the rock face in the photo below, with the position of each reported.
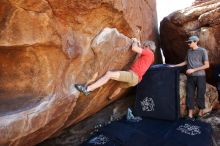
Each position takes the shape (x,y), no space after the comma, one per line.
(47,46)
(214,120)
(211,97)
(75,135)
(196,2)
(202,19)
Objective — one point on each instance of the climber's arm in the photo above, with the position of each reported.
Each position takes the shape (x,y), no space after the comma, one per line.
(135,46)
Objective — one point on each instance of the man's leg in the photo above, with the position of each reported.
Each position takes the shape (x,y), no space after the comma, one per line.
(122,76)
(190,93)
(201,89)
(93,78)
(114,75)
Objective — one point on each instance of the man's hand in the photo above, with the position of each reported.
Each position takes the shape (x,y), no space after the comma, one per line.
(134,39)
(190,71)
(171,65)
(178,65)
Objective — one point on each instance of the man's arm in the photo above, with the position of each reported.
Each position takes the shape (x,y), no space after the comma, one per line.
(180,64)
(205,66)
(135,47)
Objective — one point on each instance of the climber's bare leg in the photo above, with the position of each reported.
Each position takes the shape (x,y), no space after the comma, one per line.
(114,75)
(93,79)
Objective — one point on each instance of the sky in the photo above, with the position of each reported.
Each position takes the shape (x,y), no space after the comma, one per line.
(165,7)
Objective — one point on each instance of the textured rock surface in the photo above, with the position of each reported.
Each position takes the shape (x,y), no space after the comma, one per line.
(211,97)
(48,45)
(214,120)
(203,20)
(75,135)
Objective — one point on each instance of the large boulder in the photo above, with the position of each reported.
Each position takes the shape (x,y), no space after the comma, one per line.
(211,97)
(202,19)
(47,46)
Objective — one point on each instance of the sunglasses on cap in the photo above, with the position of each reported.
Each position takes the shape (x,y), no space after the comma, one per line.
(190,42)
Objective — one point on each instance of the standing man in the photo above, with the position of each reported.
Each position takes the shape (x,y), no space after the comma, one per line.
(197,62)
(131,77)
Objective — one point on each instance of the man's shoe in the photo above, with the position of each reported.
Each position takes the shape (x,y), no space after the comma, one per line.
(82,88)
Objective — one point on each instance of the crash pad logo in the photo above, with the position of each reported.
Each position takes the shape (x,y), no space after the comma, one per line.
(99,140)
(147,104)
(189,129)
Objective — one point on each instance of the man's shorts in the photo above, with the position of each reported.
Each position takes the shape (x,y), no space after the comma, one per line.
(128,78)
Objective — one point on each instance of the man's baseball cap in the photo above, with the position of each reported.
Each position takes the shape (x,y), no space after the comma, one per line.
(193,38)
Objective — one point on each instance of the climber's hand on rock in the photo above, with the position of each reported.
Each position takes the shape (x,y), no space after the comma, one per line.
(134,39)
